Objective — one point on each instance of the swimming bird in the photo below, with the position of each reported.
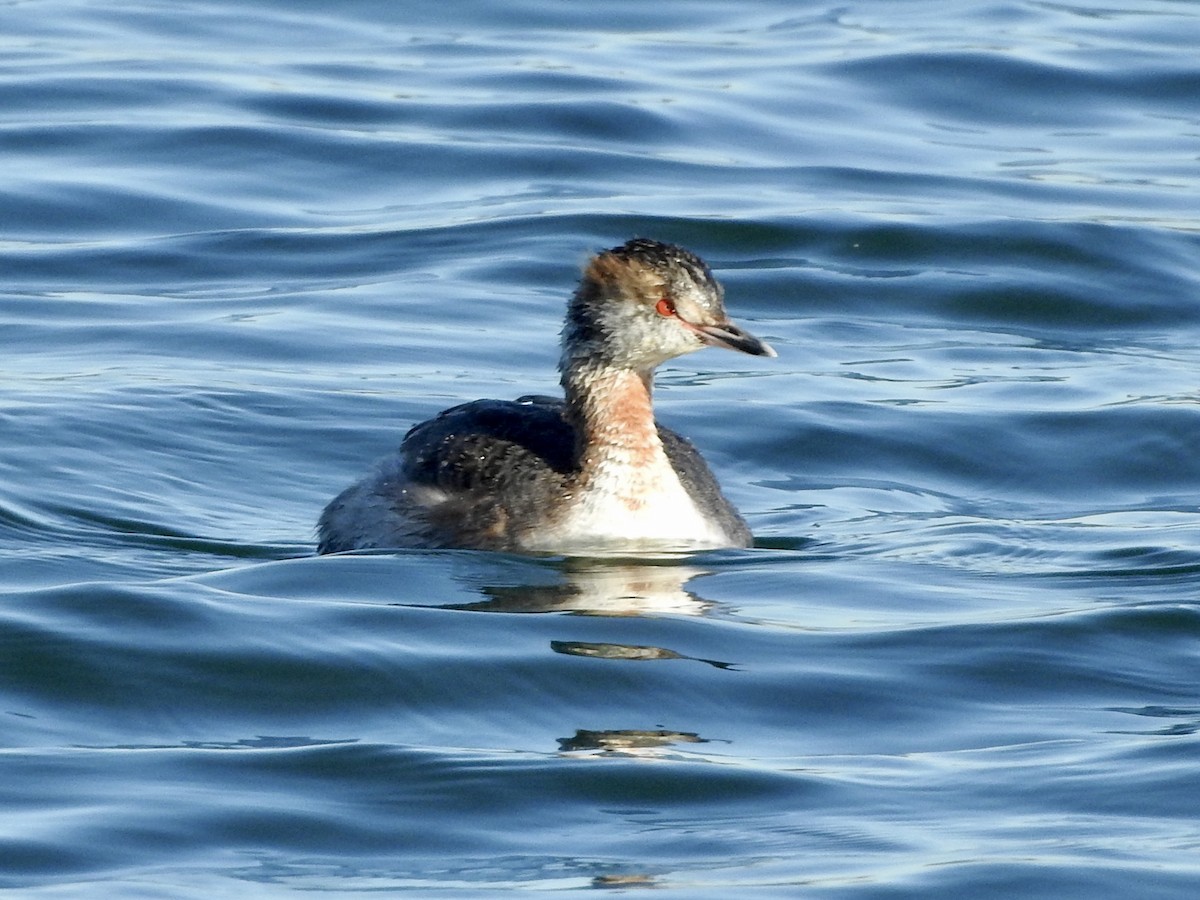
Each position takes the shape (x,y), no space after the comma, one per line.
(593,472)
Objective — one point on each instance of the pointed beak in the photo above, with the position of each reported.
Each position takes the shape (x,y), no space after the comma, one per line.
(731,337)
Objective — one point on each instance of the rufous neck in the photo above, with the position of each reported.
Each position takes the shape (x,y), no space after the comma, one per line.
(611,410)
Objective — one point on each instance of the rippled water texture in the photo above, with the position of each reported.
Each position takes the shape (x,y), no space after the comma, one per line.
(245,246)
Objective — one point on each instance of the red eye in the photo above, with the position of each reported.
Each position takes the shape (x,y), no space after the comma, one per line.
(665,308)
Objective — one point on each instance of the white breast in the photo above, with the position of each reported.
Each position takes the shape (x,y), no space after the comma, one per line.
(631,507)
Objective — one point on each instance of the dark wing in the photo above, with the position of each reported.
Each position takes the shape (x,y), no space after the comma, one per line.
(495,465)
(478,444)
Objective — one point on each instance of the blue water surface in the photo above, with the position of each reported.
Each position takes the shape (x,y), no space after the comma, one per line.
(244,246)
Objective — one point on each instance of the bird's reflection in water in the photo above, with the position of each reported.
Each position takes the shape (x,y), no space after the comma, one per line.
(623,882)
(607,588)
(611,587)
(602,587)
(627,651)
(631,740)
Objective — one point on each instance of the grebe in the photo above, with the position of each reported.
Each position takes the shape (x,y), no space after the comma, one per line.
(592,473)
